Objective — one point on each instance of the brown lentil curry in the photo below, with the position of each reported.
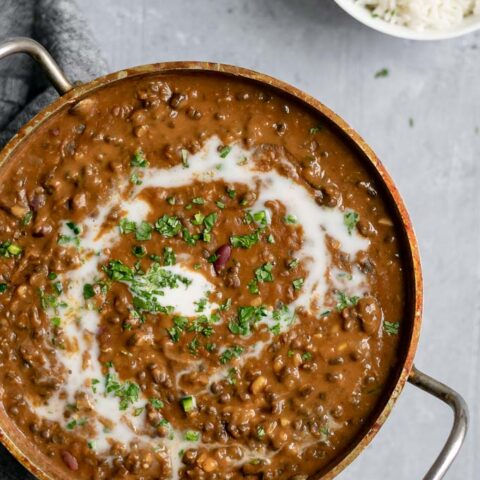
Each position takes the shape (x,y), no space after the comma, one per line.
(198,279)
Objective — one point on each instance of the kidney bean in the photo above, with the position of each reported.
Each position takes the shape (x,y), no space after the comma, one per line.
(223,254)
(70,461)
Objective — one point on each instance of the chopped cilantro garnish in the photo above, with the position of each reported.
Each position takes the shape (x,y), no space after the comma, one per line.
(260,432)
(261,218)
(226,304)
(231,193)
(138,411)
(179,325)
(344,301)
(290,219)
(384,72)
(58,287)
(66,239)
(264,273)
(225,151)
(391,328)
(210,347)
(71,424)
(306,356)
(192,436)
(244,241)
(189,238)
(76,229)
(350,220)
(210,220)
(127,226)
(193,346)
(253,287)
(220,204)
(169,257)
(188,403)
(135,179)
(95,382)
(298,283)
(3,287)
(198,218)
(293,263)
(127,393)
(247,317)
(232,376)
(147,287)
(230,353)
(315,129)
(144,231)
(27,218)
(168,226)
(139,160)
(184,154)
(156,403)
(198,201)
(9,249)
(283,316)
(55,321)
(88,291)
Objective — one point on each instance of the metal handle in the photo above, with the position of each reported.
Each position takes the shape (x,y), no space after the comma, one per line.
(460,421)
(39,54)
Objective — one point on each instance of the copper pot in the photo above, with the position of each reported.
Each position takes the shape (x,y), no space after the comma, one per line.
(19,446)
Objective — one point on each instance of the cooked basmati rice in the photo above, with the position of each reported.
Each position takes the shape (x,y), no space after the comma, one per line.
(423,14)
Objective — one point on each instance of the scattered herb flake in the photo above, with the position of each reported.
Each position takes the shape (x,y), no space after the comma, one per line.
(9,249)
(225,151)
(27,218)
(391,328)
(345,302)
(156,403)
(244,241)
(192,436)
(88,291)
(264,273)
(169,257)
(230,353)
(139,160)
(184,154)
(384,72)
(144,231)
(168,226)
(350,220)
(188,403)
(298,283)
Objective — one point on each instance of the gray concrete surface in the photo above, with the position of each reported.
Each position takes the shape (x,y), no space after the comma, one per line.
(435,163)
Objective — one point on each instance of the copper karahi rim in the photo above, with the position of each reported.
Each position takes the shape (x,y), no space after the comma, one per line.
(12,437)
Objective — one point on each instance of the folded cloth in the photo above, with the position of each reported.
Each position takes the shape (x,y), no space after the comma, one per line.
(59,26)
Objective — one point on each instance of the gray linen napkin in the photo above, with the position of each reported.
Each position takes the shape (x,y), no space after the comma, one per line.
(58,26)
(24,90)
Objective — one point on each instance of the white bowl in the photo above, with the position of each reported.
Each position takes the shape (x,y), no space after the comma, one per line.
(360,13)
